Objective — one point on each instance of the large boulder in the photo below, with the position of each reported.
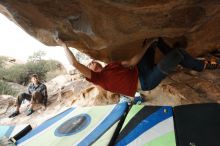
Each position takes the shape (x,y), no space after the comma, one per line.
(115,29)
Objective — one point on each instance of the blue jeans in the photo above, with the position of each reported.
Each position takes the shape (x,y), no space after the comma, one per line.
(151,74)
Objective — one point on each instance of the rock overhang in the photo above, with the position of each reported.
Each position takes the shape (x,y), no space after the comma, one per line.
(111,30)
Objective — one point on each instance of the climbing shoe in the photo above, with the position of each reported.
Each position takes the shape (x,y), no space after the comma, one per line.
(14,114)
(138,100)
(212,63)
(29,112)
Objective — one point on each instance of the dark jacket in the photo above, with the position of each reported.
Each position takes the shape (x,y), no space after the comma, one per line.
(40,87)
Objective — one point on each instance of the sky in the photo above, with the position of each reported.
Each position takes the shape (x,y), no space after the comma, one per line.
(16,43)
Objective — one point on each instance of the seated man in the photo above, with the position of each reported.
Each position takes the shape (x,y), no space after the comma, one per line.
(37,93)
(140,72)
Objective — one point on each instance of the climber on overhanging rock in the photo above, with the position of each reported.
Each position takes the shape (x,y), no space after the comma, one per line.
(140,72)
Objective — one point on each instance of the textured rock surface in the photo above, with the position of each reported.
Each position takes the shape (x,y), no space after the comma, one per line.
(114,29)
(186,87)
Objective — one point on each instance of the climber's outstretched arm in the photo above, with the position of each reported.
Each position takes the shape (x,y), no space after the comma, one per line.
(72,59)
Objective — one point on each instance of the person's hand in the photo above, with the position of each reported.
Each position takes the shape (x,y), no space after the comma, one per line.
(29,104)
(60,42)
(127,64)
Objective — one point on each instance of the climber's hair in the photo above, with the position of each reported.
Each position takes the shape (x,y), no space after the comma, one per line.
(94,61)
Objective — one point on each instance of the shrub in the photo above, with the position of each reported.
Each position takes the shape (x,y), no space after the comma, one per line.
(5,88)
(20,73)
(16,73)
(37,56)
(3,59)
(52,74)
(38,68)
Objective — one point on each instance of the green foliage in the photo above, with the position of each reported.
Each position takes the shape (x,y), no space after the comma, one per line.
(2,72)
(37,56)
(52,65)
(6,89)
(20,73)
(2,61)
(39,68)
(52,74)
(16,73)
